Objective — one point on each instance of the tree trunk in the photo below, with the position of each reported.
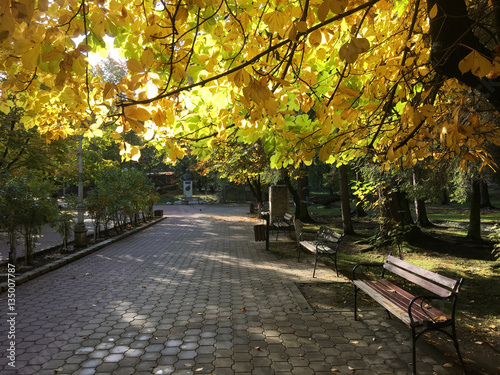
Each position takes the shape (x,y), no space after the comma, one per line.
(452,37)
(445,199)
(303,193)
(12,248)
(496,9)
(474,232)
(422,219)
(256,189)
(29,246)
(485,196)
(301,211)
(345,201)
(421,213)
(394,209)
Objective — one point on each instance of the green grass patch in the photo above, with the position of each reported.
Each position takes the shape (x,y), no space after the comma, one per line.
(174,196)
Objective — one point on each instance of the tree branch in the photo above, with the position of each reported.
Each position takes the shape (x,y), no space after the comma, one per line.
(453,39)
(252,61)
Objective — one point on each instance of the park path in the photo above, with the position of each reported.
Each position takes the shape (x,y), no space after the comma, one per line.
(194,294)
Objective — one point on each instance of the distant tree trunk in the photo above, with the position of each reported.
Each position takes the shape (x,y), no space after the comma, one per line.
(12,248)
(298,196)
(29,245)
(422,219)
(303,192)
(345,201)
(445,198)
(421,213)
(256,189)
(485,196)
(474,232)
(395,210)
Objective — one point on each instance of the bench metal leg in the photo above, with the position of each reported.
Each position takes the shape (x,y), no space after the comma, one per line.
(457,348)
(355,302)
(414,354)
(315,264)
(452,335)
(335,263)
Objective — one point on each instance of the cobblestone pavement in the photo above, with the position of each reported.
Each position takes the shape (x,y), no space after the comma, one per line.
(194,294)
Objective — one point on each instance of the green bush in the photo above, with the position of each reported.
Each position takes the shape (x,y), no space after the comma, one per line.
(120,196)
(495,237)
(25,205)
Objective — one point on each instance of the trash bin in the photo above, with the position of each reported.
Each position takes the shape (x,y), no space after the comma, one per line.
(259,232)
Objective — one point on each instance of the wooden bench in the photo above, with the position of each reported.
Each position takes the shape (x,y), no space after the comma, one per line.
(284,223)
(327,243)
(419,312)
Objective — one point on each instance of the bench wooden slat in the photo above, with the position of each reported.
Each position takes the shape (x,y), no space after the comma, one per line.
(368,287)
(435,277)
(442,292)
(419,315)
(309,245)
(391,298)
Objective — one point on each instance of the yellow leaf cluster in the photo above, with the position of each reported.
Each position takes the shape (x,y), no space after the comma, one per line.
(257,92)
(350,51)
(335,6)
(277,22)
(479,65)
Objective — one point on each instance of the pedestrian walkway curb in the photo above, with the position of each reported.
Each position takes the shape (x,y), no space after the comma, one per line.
(75,256)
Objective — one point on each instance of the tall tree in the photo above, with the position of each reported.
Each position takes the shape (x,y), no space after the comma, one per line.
(299,192)
(474,232)
(345,200)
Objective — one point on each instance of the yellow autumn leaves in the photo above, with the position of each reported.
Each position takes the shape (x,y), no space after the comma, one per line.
(350,51)
(480,66)
(286,85)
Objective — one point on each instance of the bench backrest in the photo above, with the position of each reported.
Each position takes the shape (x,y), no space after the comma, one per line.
(328,235)
(440,285)
(288,216)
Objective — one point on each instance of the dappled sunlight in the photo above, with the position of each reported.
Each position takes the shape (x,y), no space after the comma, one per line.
(181,294)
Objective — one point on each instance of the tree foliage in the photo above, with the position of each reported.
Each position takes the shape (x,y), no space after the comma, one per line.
(336,79)
(25,205)
(120,195)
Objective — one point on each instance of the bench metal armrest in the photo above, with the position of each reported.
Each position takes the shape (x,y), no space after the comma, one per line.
(301,234)
(276,220)
(283,221)
(424,303)
(363,266)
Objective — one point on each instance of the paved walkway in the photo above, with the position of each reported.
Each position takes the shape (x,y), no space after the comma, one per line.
(194,294)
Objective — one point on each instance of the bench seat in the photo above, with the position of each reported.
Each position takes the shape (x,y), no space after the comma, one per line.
(396,301)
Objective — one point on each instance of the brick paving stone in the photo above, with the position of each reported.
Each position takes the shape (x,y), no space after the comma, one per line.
(196,294)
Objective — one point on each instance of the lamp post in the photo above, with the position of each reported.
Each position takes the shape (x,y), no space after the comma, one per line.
(80,230)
